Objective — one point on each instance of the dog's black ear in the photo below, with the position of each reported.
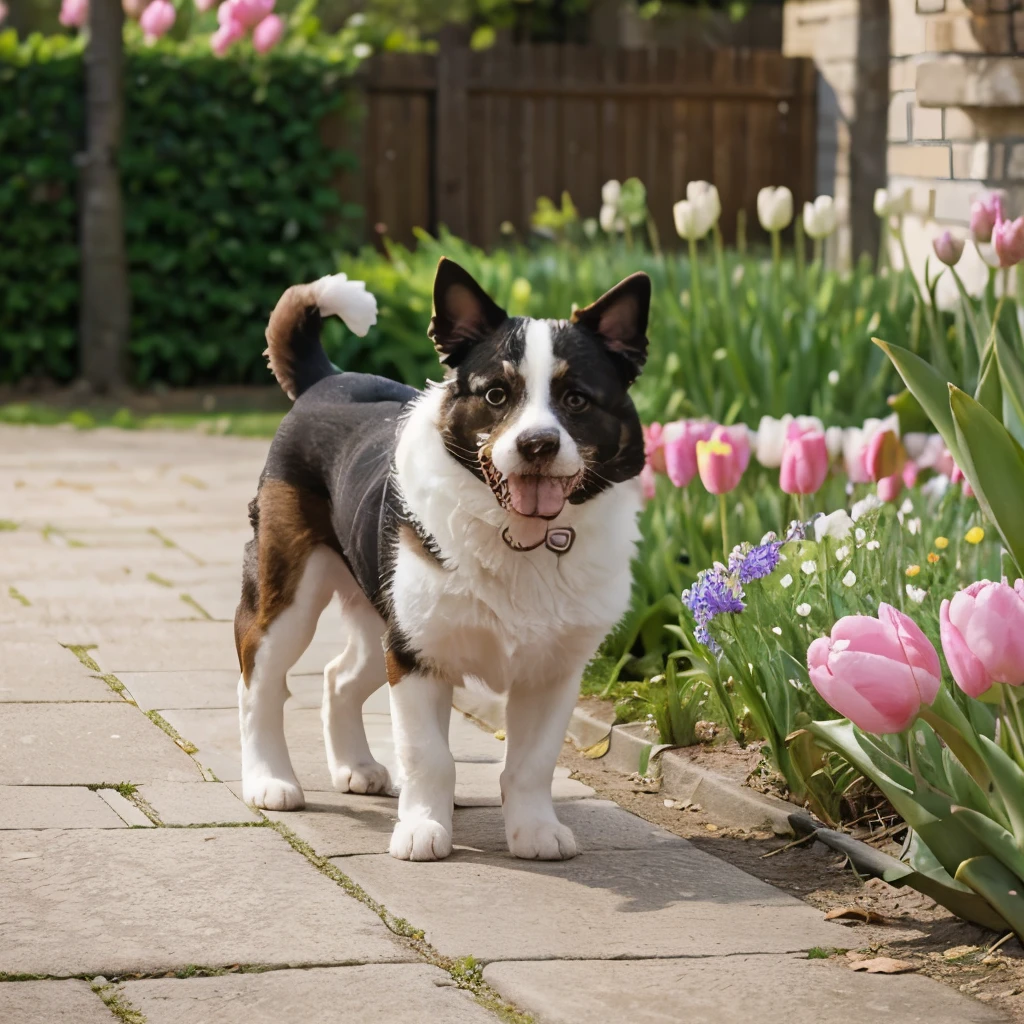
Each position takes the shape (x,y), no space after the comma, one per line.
(619,318)
(463,313)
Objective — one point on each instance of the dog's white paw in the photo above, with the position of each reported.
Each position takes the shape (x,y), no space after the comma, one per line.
(369,777)
(273,794)
(420,840)
(541,840)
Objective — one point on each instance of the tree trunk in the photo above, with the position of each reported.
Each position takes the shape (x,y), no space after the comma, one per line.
(105,301)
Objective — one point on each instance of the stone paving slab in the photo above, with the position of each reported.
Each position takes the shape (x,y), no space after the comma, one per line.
(148,900)
(165,646)
(34,667)
(671,901)
(51,1002)
(129,812)
(372,994)
(714,990)
(195,803)
(213,547)
(307,691)
(27,807)
(83,744)
(92,600)
(348,824)
(183,689)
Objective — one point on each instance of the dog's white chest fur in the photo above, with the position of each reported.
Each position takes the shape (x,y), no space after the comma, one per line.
(500,615)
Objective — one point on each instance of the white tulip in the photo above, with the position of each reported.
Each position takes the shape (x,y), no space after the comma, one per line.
(775,208)
(771,439)
(861,508)
(837,525)
(609,218)
(705,193)
(336,295)
(834,442)
(610,192)
(853,452)
(820,217)
(891,203)
(691,219)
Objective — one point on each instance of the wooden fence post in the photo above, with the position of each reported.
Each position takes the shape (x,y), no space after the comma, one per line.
(451,146)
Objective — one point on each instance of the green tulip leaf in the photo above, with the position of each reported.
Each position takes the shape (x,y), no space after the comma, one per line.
(1011,374)
(996,839)
(998,886)
(994,464)
(1009,783)
(989,393)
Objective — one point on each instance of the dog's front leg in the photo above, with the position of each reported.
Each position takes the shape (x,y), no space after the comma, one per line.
(421,708)
(537,716)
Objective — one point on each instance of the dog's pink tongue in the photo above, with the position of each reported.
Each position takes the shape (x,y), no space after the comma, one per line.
(536,495)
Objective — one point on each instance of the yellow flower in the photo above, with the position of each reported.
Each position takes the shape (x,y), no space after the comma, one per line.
(975,535)
(913,570)
(932,557)
(942,543)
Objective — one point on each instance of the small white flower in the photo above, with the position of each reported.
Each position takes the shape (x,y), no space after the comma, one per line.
(362,50)
(873,545)
(860,535)
(820,217)
(914,526)
(775,208)
(809,567)
(837,525)
(864,506)
(849,579)
(833,377)
(786,581)
(803,609)
(842,553)
(777,630)
(907,507)
(916,594)
(609,219)
(737,275)
(610,192)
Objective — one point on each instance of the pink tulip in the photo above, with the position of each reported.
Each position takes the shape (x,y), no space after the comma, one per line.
(679,445)
(889,488)
(157,20)
(956,476)
(948,249)
(654,448)
(267,34)
(648,482)
(876,672)
(982,632)
(722,458)
(944,464)
(133,8)
(226,36)
(804,460)
(984,214)
(3,12)
(884,455)
(74,13)
(205,5)
(910,471)
(1008,241)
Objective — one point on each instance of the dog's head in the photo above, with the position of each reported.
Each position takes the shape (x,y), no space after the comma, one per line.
(540,409)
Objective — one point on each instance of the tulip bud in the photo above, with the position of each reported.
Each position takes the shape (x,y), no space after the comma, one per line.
(984,214)
(74,13)
(948,248)
(876,672)
(884,455)
(982,631)
(820,217)
(691,220)
(722,459)
(891,204)
(1008,241)
(704,194)
(610,192)
(889,488)
(648,483)
(609,218)
(775,208)
(157,20)
(654,447)
(3,12)
(679,443)
(804,460)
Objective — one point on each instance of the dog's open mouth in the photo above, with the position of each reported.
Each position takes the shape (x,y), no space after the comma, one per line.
(540,496)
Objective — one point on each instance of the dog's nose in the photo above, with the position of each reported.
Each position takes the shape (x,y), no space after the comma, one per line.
(538,444)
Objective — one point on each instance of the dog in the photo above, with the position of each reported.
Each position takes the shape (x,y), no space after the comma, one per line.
(480,531)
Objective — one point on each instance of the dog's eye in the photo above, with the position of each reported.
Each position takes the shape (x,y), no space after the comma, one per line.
(576,401)
(496,396)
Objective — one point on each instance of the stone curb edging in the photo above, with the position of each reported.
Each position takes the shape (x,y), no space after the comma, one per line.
(721,798)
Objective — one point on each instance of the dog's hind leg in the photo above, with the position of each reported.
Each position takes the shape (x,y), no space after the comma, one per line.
(348,681)
(288,579)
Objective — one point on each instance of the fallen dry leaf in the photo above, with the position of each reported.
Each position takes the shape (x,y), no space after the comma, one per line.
(856,914)
(711,828)
(883,965)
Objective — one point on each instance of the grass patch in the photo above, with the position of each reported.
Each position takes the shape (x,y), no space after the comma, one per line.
(158,580)
(81,652)
(158,720)
(7,525)
(14,592)
(193,603)
(823,952)
(119,1006)
(126,789)
(163,538)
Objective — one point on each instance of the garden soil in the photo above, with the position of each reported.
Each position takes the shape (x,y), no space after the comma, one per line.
(923,935)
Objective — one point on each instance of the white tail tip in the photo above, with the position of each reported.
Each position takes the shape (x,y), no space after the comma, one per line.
(336,295)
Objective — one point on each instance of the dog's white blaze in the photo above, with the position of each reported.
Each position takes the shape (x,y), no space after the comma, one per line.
(536,369)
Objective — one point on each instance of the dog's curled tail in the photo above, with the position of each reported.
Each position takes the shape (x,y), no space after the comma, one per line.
(294,353)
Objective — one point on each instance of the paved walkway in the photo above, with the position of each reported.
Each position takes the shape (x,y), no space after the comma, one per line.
(126,853)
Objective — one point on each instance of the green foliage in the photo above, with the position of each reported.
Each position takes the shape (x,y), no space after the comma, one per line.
(228,200)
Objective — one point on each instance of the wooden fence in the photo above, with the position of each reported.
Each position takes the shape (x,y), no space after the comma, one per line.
(471,139)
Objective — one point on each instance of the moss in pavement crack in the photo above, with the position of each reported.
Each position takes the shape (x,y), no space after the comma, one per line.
(157,719)
(7,524)
(169,543)
(14,592)
(81,652)
(193,603)
(466,971)
(160,581)
(117,1003)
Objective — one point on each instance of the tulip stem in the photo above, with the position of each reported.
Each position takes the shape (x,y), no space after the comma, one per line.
(695,296)
(723,515)
(1015,728)
(776,257)
(818,253)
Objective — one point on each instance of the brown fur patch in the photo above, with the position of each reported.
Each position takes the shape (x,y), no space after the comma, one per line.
(396,669)
(292,315)
(291,523)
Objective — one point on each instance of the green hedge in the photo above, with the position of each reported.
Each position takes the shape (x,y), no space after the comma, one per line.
(228,200)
